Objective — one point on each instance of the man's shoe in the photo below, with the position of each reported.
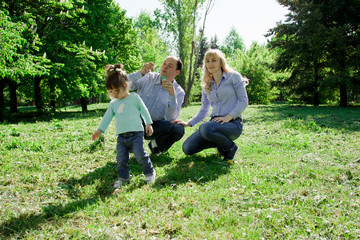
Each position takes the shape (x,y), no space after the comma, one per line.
(154,150)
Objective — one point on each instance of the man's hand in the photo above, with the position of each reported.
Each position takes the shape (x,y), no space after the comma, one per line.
(169,86)
(147,68)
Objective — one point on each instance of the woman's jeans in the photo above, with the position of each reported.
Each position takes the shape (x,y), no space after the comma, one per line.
(133,141)
(213,134)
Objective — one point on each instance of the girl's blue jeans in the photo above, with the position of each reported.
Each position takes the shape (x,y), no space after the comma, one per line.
(213,134)
(133,141)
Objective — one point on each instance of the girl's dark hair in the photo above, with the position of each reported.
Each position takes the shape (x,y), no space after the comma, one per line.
(115,77)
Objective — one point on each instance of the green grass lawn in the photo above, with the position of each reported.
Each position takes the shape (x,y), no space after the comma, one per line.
(296,176)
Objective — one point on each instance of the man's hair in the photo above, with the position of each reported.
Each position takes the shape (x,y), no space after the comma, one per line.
(179,64)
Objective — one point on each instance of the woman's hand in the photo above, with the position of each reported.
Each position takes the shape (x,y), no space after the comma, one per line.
(181,122)
(223,120)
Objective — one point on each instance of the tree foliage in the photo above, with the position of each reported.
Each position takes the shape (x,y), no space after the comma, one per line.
(254,64)
(152,46)
(176,21)
(18,43)
(232,42)
(318,43)
(60,48)
(214,42)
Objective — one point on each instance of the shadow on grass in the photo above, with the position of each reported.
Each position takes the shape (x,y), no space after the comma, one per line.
(195,168)
(34,116)
(322,116)
(191,168)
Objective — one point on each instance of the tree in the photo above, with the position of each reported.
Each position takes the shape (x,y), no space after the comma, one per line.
(301,41)
(232,42)
(106,36)
(11,40)
(204,45)
(81,75)
(195,49)
(152,46)
(319,43)
(195,88)
(214,42)
(78,38)
(342,23)
(49,21)
(108,29)
(176,22)
(16,54)
(255,65)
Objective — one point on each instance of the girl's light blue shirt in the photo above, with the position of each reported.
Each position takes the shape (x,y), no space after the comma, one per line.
(128,113)
(230,97)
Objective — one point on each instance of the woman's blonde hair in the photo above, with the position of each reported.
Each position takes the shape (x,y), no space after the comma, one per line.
(207,78)
(116,77)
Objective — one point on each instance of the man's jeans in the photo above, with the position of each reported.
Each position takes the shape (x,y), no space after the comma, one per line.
(213,134)
(133,141)
(166,134)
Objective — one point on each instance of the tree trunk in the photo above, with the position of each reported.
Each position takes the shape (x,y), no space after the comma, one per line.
(316,97)
(196,49)
(316,83)
(37,89)
(189,85)
(281,98)
(83,102)
(343,80)
(181,27)
(13,86)
(2,100)
(52,95)
(343,95)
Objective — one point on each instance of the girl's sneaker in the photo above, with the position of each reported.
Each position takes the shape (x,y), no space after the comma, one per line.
(120,182)
(150,179)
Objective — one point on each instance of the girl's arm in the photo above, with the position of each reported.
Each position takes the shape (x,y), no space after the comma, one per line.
(149,130)
(109,114)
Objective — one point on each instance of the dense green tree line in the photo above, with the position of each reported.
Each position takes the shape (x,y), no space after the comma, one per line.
(319,44)
(53,52)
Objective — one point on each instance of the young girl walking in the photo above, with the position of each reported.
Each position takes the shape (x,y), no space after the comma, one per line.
(129,111)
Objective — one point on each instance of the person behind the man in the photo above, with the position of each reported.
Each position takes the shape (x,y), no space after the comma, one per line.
(163,97)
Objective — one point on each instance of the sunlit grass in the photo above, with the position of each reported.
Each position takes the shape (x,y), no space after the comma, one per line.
(296,176)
